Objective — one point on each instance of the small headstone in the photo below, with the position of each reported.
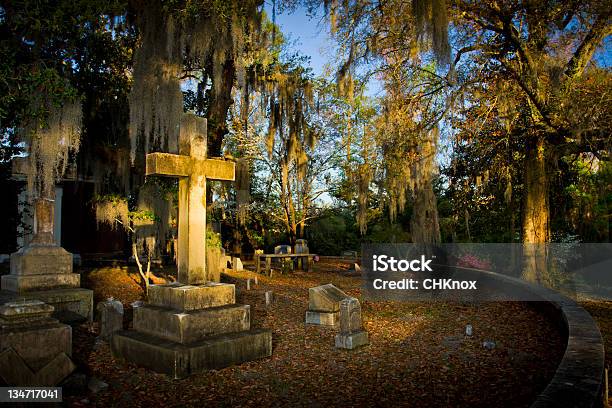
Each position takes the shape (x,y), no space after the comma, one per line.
(488,344)
(137,303)
(237,264)
(76,259)
(248,284)
(282,249)
(351,333)
(469,330)
(111,317)
(4,258)
(269,298)
(301,246)
(324,305)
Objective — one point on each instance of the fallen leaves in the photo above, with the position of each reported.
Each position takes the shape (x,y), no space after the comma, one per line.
(418,356)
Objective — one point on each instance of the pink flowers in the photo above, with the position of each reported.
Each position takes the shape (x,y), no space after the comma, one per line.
(472,261)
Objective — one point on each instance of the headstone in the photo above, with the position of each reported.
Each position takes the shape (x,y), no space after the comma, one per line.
(269,298)
(488,344)
(282,249)
(237,264)
(182,329)
(324,305)
(351,333)
(248,284)
(35,348)
(42,270)
(111,317)
(301,246)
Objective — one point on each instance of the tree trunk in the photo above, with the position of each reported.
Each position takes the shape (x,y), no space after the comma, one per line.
(536,213)
(218,107)
(424,225)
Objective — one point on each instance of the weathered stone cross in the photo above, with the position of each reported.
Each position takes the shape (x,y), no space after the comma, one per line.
(193,169)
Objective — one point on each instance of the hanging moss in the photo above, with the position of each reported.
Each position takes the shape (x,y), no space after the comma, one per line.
(51,146)
(168,40)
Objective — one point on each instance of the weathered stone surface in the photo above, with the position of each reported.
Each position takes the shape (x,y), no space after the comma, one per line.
(177,333)
(24,312)
(180,296)
(351,341)
(323,318)
(111,317)
(269,298)
(27,283)
(301,246)
(39,344)
(350,315)
(325,298)
(237,264)
(193,169)
(70,305)
(191,326)
(179,360)
(282,249)
(213,264)
(14,371)
(41,260)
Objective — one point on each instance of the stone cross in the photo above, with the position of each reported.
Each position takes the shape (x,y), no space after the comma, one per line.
(192,168)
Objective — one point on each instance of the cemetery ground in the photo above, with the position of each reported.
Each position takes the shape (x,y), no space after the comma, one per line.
(418,353)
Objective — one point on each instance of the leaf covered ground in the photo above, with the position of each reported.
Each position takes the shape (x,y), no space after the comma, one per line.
(418,353)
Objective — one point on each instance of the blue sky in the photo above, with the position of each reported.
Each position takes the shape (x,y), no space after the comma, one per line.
(310,36)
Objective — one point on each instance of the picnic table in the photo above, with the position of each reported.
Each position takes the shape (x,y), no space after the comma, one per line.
(268,259)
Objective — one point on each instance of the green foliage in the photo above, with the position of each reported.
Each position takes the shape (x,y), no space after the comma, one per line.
(213,239)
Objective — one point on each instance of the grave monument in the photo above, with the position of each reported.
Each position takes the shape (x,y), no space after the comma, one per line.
(42,270)
(351,333)
(324,305)
(35,348)
(193,324)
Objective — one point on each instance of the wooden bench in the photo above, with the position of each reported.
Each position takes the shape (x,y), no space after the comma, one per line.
(268,259)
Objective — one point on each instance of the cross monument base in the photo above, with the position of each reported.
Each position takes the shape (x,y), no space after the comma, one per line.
(185,329)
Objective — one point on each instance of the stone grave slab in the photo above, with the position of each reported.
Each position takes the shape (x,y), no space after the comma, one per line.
(324,305)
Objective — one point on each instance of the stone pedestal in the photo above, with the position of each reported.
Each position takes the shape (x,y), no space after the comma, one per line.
(35,349)
(324,305)
(186,329)
(44,272)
